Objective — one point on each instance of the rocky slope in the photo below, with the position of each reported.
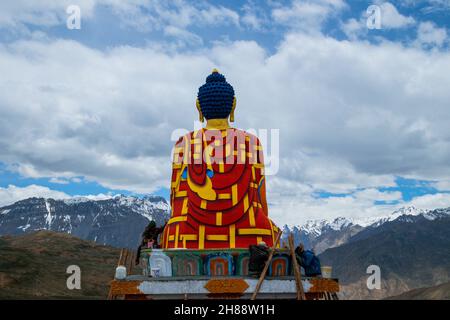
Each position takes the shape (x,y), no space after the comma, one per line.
(411,251)
(439,292)
(33,266)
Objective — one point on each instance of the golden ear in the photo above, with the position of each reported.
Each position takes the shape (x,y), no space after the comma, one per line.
(232,110)
(200,114)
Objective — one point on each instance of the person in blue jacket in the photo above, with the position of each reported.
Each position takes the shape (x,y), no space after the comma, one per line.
(309,261)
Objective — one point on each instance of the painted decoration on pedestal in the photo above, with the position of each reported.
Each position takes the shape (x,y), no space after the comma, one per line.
(219,264)
(242,264)
(160,264)
(279,266)
(186,264)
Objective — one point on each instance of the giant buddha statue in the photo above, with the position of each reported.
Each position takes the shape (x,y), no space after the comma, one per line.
(218,193)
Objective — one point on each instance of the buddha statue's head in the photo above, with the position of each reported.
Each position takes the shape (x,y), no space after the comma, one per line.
(215,99)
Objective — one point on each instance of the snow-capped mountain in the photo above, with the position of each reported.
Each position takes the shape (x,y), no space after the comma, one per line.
(117,221)
(404,211)
(322,234)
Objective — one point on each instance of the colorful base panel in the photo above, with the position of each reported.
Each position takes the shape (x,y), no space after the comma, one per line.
(228,262)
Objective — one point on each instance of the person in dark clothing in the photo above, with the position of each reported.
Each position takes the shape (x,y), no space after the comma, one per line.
(258,257)
(308,261)
(149,238)
(151,231)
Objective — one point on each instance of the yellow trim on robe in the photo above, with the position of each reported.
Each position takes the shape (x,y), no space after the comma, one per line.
(201,237)
(203,204)
(167,236)
(177,231)
(245,202)
(224,196)
(232,236)
(271,227)
(234,194)
(180,194)
(187,152)
(217,237)
(184,209)
(219,218)
(251,216)
(259,239)
(171,237)
(177,219)
(257,204)
(254,231)
(187,237)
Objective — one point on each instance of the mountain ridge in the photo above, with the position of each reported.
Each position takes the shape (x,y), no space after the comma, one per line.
(117,221)
(322,234)
(409,256)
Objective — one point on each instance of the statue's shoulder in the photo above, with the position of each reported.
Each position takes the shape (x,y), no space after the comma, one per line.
(248,134)
(230,132)
(186,137)
(249,137)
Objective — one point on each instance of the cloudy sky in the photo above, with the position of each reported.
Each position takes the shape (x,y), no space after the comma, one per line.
(362,104)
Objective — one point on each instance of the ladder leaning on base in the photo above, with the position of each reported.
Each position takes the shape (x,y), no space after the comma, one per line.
(266,267)
(126,259)
(297,272)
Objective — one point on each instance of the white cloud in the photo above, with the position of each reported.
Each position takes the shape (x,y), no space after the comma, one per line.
(392,19)
(443,185)
(307,15)
(295,204)
(183,35)
(58,180)
(11,194)
(17,14)
(429,35)
(355,28)
(432,201)
(171,17)
(151,14)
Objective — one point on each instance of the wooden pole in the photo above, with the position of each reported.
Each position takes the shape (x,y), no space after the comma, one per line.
(130,261)
(266,267)
(297,273)
(120,257)
(110,295)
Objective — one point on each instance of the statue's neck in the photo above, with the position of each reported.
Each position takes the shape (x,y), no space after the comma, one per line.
(218,124)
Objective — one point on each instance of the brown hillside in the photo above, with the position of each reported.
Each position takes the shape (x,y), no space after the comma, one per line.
(33,266)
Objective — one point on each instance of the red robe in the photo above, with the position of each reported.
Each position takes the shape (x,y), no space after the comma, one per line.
(218,191)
